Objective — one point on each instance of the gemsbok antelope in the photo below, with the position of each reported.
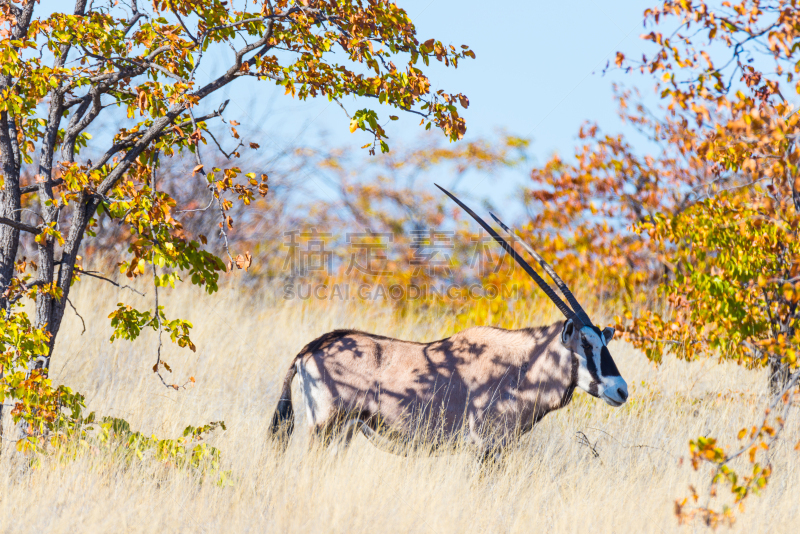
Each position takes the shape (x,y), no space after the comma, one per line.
(484,386)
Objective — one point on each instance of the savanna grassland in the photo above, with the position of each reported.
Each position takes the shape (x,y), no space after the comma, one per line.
(552,481)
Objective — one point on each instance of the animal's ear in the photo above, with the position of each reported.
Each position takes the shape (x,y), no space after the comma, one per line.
(567,331)
(608,333)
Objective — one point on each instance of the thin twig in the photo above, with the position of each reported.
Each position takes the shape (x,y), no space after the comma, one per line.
(188,33)
(342,106)
(210,188)
(210,202)
(157,366)
(583,440)
(13,300)
(633,446)
(94,274)
(226,154)
(222,225)
(78,314)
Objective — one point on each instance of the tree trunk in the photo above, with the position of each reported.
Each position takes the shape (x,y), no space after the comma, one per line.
(50,213)
(49,311)
(87,206)
(9,208)
(10,203)
(778,374)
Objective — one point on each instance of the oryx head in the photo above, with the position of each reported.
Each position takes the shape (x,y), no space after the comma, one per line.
(597,372)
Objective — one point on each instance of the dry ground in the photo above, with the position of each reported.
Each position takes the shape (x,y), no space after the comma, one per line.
(245,338)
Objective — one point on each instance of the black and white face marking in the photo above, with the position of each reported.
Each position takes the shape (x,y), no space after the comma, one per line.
(597,373)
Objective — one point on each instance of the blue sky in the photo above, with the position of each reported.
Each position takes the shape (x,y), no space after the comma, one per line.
(538,66)
(538,74)
(538,71)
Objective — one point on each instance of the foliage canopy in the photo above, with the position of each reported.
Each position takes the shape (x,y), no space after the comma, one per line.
(64,74)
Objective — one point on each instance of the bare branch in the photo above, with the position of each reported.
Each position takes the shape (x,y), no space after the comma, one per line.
(95,274)
(210,188)
(226,154)
(130,141)
(152,55)
(162,69)
(35,187)
(135,18)
(80,7)
(188,33)
(74,102)
(20,226)
(79,122)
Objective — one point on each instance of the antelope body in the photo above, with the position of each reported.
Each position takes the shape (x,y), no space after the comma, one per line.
(483,386)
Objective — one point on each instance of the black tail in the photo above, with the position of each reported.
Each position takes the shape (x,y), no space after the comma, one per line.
(283,420)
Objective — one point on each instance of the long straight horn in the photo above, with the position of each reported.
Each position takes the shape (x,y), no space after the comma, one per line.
(549,270)
(568,313)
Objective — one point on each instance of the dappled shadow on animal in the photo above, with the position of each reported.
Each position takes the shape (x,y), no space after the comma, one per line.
(483,386)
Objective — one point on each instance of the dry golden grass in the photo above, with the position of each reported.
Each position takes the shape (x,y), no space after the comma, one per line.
(550,482)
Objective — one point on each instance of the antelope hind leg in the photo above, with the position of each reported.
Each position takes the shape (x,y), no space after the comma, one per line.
(344,436)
